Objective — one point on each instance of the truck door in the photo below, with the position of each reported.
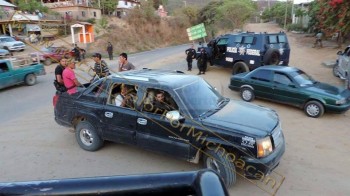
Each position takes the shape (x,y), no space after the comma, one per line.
(344,62)
(120,120)
(6,78)
(219,54)
(155,132)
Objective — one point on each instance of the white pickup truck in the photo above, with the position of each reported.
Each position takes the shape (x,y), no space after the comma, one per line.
(342,67)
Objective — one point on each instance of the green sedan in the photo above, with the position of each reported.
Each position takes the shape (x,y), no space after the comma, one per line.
(291,86)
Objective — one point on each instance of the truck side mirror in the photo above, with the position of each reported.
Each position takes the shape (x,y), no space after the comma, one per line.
(339,53)
(174,116)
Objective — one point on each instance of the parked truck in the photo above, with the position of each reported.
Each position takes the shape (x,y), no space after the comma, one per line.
(341,68)
(18,70)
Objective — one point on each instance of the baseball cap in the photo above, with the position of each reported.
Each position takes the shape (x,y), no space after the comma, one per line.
(98,55)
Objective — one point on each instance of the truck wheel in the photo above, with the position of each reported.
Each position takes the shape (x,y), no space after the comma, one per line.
(221,165)
(336,70)
(87,137)
(272,57)
(247,94)
(47,62)
(30,79)
(314,109)
(240,67)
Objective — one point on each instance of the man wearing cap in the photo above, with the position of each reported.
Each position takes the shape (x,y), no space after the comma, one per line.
(124,64)
(69,79)
(100,68)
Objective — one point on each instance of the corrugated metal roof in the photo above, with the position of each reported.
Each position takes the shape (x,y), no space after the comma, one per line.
(5,3)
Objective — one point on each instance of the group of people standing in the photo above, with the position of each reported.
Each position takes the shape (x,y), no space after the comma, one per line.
(202,59)
(66,80)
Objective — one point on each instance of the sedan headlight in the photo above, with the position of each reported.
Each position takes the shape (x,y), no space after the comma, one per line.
(340,102)
(264,147)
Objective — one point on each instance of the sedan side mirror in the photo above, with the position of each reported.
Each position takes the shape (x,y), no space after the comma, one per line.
(174,116)
(339,53)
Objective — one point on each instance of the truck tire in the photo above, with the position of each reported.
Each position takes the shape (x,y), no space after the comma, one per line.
(47,62)
(314,109)
(30,79)
(221,165)
(87,137)
(240,67)
(272,57)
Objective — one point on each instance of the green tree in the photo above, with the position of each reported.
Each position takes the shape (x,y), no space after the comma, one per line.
(108,6)
(278,13)
(31,6)
(235,12)
(331,16)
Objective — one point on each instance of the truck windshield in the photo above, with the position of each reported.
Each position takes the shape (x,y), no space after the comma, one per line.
(199,97)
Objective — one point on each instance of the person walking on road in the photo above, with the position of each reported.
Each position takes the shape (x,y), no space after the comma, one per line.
(110,50)
(318,41)
(191,54)
(124,64)
(202,61)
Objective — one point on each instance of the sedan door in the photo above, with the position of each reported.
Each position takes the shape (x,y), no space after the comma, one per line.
(286,91)
(261,81)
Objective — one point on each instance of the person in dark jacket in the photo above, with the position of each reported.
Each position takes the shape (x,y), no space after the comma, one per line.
(202,61)
(110,50)
(76,51)
(191,54)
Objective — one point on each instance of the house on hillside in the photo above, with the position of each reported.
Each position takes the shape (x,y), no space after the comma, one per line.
(124,6)
(5,9)
(74,9)
(161,11)
(299,15)
(262,5)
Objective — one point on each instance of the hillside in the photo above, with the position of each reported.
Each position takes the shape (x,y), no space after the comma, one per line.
(139,36)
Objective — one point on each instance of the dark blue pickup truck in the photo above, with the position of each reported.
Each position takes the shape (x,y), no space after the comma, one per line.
(198,125)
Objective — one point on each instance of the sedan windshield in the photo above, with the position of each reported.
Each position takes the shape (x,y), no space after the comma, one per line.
(199,97)
(8,39)
(302,78)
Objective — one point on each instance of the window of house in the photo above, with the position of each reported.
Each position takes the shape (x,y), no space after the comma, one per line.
(94,14)
(83,14)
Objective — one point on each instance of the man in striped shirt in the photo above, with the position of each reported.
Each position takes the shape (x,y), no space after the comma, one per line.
(101,67)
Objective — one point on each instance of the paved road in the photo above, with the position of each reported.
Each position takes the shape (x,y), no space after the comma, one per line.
(39,96)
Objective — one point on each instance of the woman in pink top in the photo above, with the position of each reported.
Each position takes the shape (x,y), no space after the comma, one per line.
(69,79)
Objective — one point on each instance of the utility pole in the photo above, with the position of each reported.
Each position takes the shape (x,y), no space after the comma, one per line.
(285,16)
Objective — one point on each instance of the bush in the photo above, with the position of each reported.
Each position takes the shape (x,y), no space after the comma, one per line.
(295,27)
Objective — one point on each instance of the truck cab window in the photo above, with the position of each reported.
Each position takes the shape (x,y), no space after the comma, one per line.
(3,67)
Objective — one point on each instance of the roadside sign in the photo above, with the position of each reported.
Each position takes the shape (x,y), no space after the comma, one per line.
(196,32)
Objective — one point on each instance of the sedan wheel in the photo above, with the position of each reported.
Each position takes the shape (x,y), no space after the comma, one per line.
(314,109)
(247,94)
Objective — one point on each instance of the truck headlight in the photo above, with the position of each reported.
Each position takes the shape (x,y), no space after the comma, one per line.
(340,102)
(264,147)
